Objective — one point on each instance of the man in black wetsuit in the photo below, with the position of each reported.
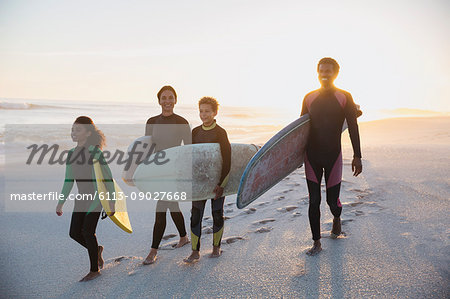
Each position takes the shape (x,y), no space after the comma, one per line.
(167,130)
(328,107)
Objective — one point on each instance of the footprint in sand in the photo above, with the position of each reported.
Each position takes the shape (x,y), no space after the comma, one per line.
(169,245)
(296,214)
(352,204)
(229,211)
(117,260)
(249,211)
(264,221)
(226,217)
(293,184)
(354,213)
(360,191)
(263,203)
(232,239)
(287,209)
(358,213)
(229,204)
(345,221)
(264,229)
(169,236)
(304,200)
(279,198)
(355,204)
(287,191)
(131,266)
(207,230)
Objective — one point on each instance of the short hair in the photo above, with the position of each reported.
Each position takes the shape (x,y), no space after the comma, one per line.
(167,87)
(210,101)
(329,60)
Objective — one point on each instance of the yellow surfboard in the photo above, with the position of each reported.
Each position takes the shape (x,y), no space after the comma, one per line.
(120,217)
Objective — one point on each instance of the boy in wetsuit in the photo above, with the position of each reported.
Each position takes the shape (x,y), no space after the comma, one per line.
(328,107)
(210,132)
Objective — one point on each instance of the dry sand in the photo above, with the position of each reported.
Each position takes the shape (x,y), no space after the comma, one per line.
(396,240)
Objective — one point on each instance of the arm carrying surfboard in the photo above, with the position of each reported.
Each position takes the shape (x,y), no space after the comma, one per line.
(280,156)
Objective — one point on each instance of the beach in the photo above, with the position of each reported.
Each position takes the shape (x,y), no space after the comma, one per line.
(120,65)
(395,240)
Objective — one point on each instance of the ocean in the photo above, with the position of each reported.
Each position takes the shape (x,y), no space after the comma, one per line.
(42,120)
(24,121)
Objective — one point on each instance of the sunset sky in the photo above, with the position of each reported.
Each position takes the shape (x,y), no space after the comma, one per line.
(245,53)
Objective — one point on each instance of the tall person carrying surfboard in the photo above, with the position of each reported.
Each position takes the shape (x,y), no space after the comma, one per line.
(210,132)
(79,168)
(328,107)
(167,130)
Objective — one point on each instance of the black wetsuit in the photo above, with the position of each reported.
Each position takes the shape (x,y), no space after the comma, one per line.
(327,108)
(79,168)
(166,132)
(212,134)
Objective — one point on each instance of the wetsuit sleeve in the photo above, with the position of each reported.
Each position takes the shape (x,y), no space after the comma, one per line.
(225,150)
(193,136)
(148,128)
(351,115)
(186,134)
(68,180)
(304,108)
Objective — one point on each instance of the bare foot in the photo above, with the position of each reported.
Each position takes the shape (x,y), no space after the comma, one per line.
(317,247)
(336,230)
(100,257)
(151,257)
(195,255)
(216,252)
(183,241)
(91,275)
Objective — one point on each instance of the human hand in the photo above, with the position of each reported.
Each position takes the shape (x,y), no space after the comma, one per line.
(356,166)
(112,208)
(59,210)
(218,191)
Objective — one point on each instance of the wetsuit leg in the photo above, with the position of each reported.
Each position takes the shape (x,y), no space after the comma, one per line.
(89,227)
(217,214)
(82,230)
(76,225)
(333,177)
(198,208)
(177,218)
(160,223)
(314,174)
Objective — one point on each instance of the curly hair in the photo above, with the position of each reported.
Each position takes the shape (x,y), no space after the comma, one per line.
(210,101)
(97,137)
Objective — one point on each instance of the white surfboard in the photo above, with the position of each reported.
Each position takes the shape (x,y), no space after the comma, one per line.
(190,172)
